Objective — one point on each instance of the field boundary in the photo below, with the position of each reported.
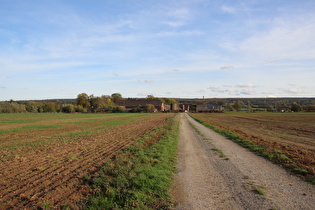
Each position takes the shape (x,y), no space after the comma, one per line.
(274,155)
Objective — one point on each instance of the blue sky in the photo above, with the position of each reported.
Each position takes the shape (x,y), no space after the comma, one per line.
(184,48)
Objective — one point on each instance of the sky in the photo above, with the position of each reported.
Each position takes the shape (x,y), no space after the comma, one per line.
(54,49)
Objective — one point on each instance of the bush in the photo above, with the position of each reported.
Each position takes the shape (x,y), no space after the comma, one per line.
(12,107)
(309,108)
(119,109)
(296,107)
(68,108)
(80,108)
(49,107)
(149,108)
(32,106)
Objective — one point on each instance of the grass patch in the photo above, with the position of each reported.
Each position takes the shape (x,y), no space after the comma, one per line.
(260,190)
(220,153)
(72,157)
(196,129)
(139,176)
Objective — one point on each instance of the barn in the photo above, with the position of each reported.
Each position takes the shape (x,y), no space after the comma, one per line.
(132,104)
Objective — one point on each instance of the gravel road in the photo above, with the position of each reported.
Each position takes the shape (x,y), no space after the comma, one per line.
(215,173)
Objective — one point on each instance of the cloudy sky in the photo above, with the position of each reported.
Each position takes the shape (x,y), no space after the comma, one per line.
(167,48)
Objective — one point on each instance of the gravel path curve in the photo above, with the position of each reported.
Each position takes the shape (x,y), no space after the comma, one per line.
(216,173)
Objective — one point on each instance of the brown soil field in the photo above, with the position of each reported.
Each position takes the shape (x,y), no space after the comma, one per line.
(291,133)
(43,161)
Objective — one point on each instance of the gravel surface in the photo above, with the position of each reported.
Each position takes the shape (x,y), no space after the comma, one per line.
(216,173)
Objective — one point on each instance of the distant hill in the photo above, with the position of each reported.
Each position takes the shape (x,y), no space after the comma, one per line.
(260,102)
(58,101)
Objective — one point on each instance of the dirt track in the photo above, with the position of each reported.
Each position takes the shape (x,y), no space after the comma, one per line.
(209,179)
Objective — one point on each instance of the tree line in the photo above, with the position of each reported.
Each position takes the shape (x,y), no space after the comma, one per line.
(278,107)
(83,103)
(258,104)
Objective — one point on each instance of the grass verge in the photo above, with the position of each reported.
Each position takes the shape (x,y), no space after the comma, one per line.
(260,190)
(276,156)
(140,176)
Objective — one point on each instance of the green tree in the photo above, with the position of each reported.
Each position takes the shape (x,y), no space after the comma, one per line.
(49,107)
(269,108)
(295,107)
(68,108)
(80,108)
(83,100)
(149,108)
(150,97)
(230,107)
(119,109)
(237,105)
(12,107)
(170,101)
(116,97)
(91,99)
(309,108)
(31,106)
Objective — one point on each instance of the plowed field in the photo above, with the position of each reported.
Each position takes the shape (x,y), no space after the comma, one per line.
(291,133)
(43,157)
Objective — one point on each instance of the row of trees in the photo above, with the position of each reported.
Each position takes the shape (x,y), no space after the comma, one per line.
(295,107)
(83,103)
(15,107)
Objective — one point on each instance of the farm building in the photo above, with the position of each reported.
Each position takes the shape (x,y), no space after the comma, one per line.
(133,104)
(184,107)
(208,107)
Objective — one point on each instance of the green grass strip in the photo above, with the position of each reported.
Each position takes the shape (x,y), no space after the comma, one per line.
(140,176)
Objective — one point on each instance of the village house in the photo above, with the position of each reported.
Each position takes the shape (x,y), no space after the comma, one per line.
(184,107)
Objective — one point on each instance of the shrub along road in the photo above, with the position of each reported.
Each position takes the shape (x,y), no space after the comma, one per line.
(216,173)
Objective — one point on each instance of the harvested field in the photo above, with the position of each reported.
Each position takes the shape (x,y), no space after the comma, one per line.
(293,134)
(43,157)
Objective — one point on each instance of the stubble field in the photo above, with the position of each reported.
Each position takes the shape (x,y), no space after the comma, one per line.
(290,134)
(43,157)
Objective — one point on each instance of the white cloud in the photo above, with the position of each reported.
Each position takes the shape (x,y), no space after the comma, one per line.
(148,80)
(245,86)
(178,33)
(228,9)
(181,14)
(271,61)
(289,39)
(174,24)
(227,67)
(294,91)
(247,91)
(217,89)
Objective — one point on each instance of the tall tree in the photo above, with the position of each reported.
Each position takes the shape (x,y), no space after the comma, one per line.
(83,100)
(116,97)
(229,107)
(295,107)
(237,105)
